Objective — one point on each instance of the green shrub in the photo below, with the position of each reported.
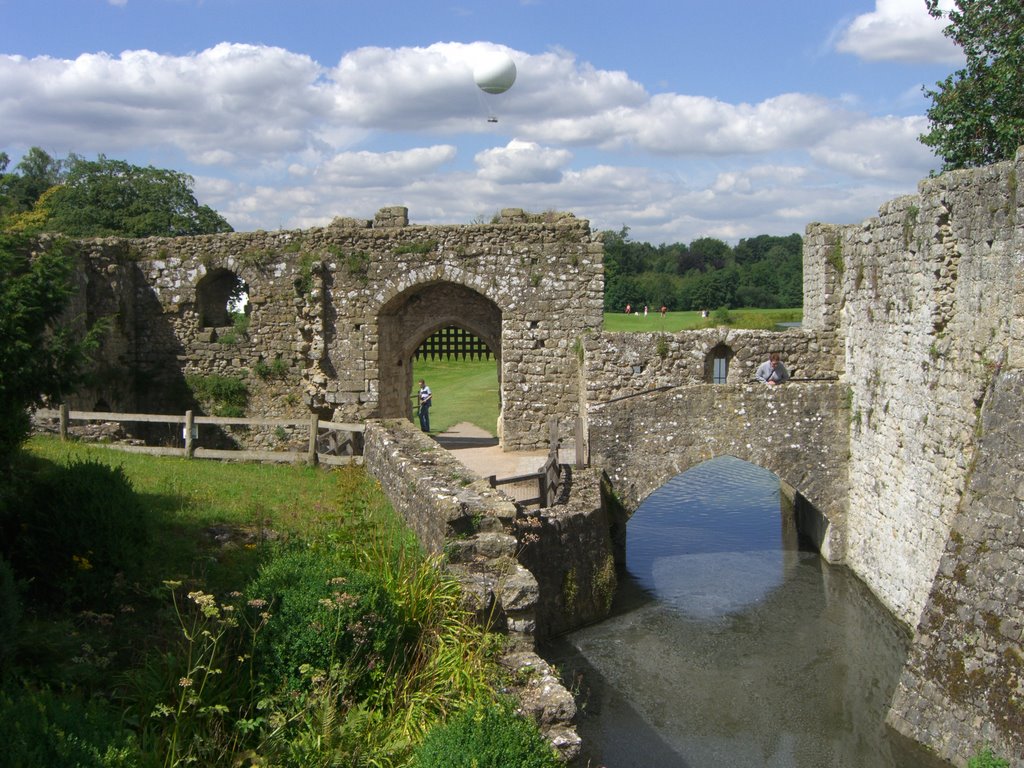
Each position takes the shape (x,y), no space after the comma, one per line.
(222,395)
(721,316)
(327,621)
(491,736)
(275,370)
(239,329)
(985,759)
(80,526)
(63,731)
(10,616)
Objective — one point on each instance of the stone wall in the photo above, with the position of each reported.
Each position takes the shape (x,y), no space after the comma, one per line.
(570,549)
(963,686)
(335,314)
(526,574)
(623,364)
(929,297)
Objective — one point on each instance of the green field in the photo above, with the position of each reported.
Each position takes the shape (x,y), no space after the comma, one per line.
(463,390)
(688,321)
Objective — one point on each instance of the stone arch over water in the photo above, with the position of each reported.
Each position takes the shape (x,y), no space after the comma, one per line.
(720,521)
(800,433)
(411,316)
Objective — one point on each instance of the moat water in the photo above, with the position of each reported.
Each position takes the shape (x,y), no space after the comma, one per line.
(731,646)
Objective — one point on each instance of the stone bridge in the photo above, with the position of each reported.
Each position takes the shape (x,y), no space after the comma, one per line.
(896,439)
(799,432)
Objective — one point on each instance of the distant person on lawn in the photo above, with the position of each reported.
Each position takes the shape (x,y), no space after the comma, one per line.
(426,396)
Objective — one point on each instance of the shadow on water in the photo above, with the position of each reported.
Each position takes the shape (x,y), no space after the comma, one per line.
(730,646)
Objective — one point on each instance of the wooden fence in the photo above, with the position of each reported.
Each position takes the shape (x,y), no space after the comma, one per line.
(326,438)
(548,479)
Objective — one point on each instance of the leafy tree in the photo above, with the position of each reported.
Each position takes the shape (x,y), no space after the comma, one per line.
(37,358)
(112,197)
(36,172)
(977,113)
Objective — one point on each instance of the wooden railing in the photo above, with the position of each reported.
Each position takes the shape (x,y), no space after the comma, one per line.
(548,478)
(325,437)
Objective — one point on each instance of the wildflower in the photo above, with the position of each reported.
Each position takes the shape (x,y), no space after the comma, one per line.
(257,603)
(81,563)
(185,682)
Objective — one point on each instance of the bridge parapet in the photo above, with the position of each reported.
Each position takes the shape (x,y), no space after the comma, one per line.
(799,431)
(623,364)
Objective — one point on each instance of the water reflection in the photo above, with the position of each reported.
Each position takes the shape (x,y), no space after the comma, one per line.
(728,646)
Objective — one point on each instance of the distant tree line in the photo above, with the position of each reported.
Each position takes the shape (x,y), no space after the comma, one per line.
(98,198)
(764,271)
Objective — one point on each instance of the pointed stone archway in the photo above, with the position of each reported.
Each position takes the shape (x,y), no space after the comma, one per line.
(412,316)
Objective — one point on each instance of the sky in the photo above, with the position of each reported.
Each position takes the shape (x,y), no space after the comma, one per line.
(675,118)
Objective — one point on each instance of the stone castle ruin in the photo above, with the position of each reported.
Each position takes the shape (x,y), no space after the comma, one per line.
(899,439)
(335,315)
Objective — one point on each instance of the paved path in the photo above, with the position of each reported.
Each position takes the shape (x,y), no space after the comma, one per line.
(480,452)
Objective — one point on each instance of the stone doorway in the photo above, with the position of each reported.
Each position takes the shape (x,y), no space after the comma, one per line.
(411,317)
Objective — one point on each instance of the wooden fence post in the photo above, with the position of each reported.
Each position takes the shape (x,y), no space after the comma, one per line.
(63,421)
(190,447)
(314,427)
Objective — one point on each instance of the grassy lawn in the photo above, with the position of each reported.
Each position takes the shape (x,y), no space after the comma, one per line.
(687,321)
(464,390)
(190,499)
(171,661)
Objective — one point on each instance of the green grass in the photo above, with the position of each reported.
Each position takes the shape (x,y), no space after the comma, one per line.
(688,321)
(464,390)
(189,498)
(215,524)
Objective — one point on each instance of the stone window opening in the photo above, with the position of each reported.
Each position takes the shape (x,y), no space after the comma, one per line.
(220,295)
(717,363)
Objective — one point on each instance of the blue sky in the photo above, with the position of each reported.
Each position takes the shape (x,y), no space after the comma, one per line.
(677,119)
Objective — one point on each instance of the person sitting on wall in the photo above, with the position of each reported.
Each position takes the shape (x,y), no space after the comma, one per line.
(772,371)
(426,396)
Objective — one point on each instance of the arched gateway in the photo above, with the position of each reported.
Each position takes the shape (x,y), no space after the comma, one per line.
(414,315)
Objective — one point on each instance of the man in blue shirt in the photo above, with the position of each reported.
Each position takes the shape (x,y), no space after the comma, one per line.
(424,408)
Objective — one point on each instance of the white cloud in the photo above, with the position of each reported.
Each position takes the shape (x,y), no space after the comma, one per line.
(900,30)
(377,169)
(238,99)
(878,148)
(522,162)
(277,139)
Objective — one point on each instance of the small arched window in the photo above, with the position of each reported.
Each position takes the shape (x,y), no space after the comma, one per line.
(716,364)
(219,295)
